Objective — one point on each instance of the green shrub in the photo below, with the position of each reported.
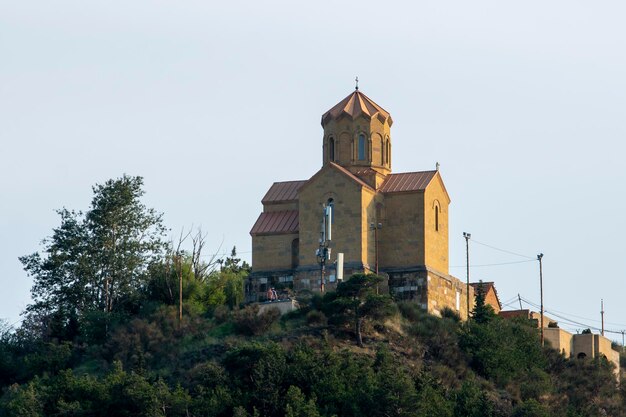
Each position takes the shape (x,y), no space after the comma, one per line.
(448,313)
(221,314)
(315,317)
(248,321)
(530,408)
(411,311)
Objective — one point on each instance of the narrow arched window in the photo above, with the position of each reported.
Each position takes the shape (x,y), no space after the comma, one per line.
(361,148)
(436,218)
(295,253)
(331,205)
(331,149)
(387,151)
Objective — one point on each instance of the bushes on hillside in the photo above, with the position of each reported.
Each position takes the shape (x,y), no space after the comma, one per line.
(248,320)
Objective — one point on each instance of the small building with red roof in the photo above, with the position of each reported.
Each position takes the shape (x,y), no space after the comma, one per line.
(491,295)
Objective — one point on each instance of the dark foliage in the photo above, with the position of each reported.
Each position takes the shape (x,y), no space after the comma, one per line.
(105,339)
(248,320)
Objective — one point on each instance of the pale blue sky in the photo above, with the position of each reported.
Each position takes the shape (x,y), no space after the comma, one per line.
(522,104)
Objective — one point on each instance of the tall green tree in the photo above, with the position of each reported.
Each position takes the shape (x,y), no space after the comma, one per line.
(358,300)
(482,312)
(97,260)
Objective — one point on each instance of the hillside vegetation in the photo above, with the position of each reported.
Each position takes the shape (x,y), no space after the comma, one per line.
(103,337)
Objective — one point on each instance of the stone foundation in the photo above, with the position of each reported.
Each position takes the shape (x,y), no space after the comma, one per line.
(432,290)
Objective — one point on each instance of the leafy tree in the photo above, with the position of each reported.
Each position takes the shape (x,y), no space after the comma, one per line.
(8,366)
(503,350)
(344,383)
(298,406)
(530,408)
(232,274)
(234,264)
(259,371)
(432,402)
(97,260)
(22,401)
(395,393)
(471,401)
(357,299)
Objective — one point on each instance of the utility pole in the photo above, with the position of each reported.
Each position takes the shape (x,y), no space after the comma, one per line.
(602,314)
(467,237)
(539,258)
(180,291)
(623,331)
(519,298)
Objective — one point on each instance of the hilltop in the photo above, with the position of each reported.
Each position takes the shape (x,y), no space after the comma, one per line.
(307,363)
(125,324)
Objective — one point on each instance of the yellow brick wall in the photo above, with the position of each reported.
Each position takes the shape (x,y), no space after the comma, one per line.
(348,218)
(559,339)
(402,233)
(436,253)
(271,252)
(442,292)
(368,241)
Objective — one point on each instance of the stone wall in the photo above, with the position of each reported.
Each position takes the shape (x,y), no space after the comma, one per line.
(433,291)
(436,232)
(271,252)
(348,234)
(584,346)
(559,339)
(401,240)
(283,306)
(345,131)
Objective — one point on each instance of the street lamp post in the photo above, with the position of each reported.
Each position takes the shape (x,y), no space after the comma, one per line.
(467,237)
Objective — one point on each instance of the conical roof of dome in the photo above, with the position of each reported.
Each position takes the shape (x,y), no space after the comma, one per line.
(355,105)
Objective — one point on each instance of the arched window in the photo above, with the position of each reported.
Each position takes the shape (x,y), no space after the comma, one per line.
(331,205)
(387,151)
(331,149)
(361,147)
(436,218)
(382,151)
(295,253)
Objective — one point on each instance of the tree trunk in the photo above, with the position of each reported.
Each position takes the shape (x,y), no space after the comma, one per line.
(359,337)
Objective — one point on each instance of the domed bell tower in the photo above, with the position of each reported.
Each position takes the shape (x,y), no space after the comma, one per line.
(357,136)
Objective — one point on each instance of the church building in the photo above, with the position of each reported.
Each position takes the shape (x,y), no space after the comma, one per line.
(395,224)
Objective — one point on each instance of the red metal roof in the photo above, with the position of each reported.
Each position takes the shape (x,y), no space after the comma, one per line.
(407,181)
(355,105)
(283,191)
(276,222)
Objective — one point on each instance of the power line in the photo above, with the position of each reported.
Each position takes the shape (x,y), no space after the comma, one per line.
(504,250)
(497,264)
(569,321)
